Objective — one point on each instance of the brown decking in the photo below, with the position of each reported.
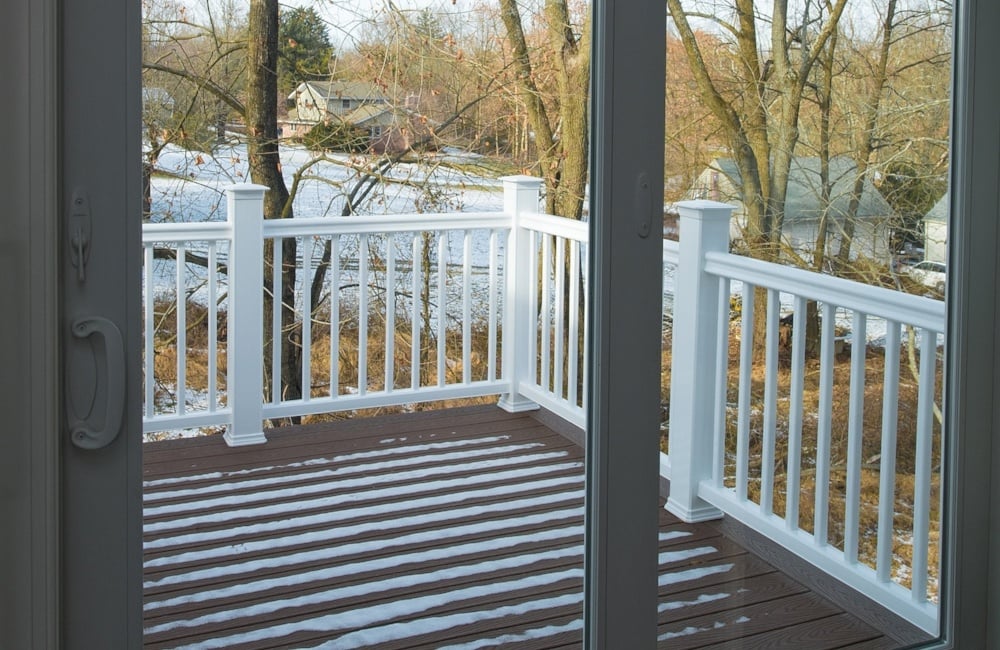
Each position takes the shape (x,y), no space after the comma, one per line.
(455,528)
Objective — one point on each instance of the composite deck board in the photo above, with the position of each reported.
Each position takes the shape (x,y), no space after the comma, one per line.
(827,633)
(459,528)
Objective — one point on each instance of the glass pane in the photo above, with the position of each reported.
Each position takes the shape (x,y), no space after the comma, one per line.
(417,260)
(816,430)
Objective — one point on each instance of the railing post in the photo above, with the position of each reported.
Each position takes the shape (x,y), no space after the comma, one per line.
(521,194)
(704,228)
(245,321)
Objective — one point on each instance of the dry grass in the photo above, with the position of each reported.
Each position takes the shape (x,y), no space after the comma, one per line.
(197,361)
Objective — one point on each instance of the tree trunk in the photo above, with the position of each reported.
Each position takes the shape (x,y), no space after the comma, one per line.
(763,124)
(825,101)
(864,152)
(265,169)
(562,151)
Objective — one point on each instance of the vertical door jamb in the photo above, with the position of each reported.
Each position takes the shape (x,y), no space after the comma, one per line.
(30,398)
(970,602)
(626,257)
(100,119)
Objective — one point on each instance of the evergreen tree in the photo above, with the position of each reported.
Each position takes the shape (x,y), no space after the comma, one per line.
(304,49)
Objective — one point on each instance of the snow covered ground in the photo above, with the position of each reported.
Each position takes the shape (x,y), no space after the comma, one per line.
(189,184)
(190,188)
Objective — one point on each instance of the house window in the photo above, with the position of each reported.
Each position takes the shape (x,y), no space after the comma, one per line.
(376,132)
(346,104)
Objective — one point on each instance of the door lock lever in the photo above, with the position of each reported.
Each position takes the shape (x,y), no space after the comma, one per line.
(79,233)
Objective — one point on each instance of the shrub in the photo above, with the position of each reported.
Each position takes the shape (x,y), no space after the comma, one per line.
(336,136)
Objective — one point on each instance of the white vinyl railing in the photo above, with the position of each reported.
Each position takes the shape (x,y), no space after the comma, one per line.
(423,297)
(464,305)
(411,276)
(557,311)
(196,251)
(745,460)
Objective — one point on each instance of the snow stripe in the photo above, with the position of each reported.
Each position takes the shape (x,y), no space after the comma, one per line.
(338,532)
(528,635)
(510,452)
(390,488)
(327,461)
(674,534)
(690,630)
(700,600)
(687,554)
(357,548)
(369,512)
(367,616)
(374,637)
(676,577)
(398,561)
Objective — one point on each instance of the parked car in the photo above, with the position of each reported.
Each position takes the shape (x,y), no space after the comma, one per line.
(929,274)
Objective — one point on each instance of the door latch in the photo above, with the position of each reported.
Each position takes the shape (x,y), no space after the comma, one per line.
(643,206)
(79,233)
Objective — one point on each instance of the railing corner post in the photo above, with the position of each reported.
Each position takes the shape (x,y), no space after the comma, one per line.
(245,321)
(521,195)
(704,228)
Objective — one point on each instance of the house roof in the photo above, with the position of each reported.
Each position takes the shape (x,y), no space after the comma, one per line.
(805,188)
(335,90)
(365,113)
(940,210)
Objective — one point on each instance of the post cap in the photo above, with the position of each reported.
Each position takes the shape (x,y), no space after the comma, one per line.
(705,208)
(251,189)
(521,179)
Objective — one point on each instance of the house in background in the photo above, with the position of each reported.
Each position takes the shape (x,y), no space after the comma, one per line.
(804,205)
(390,129)
(359,105)
(936,230)
(315,101)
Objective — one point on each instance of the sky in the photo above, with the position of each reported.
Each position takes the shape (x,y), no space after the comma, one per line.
(345,16)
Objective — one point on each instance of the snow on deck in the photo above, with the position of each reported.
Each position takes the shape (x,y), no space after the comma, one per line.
(451,529)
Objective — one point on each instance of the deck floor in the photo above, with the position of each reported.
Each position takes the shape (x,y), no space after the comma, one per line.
(448,529)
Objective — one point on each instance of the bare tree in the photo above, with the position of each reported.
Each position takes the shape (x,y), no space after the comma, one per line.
(759,107)
(254,99)
(265,169)
(558,115)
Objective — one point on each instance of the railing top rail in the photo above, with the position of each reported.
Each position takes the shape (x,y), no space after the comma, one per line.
(671,252)
(557,226)
(181,232)
(387,223)
(893,305)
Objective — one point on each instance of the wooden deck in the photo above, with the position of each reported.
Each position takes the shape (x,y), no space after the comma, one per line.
(460,529)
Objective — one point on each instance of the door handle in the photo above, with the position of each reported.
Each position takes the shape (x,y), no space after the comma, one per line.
(82,435)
